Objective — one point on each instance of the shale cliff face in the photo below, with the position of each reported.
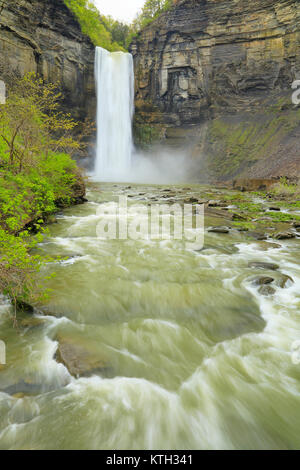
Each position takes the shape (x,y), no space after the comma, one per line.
(43,36)
(228,64)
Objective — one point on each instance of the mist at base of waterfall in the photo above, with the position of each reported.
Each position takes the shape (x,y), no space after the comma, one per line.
(162,165)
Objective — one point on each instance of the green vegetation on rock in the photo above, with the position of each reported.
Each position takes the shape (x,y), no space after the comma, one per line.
(36,176)
(237,145)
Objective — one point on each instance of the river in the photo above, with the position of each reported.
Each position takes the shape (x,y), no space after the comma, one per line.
(193,356)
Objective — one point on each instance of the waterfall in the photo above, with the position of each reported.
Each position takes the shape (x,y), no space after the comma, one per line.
(114,76)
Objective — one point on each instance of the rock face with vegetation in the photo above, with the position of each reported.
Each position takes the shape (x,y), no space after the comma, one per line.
(224,69)
(44,37)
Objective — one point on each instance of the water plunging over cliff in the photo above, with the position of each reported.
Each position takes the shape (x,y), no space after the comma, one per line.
(115,105)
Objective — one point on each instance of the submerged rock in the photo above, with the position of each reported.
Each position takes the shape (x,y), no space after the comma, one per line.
(263,280)
(217,204)
(266,290)
(191,200)
(30,387)
(263,265)
(78,359)
(258,235)
(264,246)
(238,216)
(24,307)
(32,322)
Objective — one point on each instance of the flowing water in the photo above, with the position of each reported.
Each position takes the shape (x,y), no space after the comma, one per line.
(115,105)
(193,356)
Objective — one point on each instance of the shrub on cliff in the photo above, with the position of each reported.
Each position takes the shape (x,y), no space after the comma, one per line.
(150,11)
(18,269)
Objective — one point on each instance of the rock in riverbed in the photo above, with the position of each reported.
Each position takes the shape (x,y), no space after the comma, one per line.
(258,235)
(284,236)
(263,280)
(78,359)
(217,204)
(265,246)
(263,265)
(219,229)
(266,290)
(284,281)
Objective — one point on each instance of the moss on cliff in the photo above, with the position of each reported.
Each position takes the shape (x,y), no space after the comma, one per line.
(147,127)
(235,147)
(92,24)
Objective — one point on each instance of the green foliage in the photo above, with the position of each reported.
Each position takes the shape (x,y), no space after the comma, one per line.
(151,10)
(119,31)
(108,33)
(146,135)
(103,32)
(35,173)
(31,124)
(18,268)
(286,189)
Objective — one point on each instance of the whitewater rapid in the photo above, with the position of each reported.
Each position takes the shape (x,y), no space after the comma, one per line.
(196,357)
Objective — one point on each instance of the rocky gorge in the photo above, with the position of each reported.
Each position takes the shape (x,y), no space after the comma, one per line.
(216,76)
(44,37)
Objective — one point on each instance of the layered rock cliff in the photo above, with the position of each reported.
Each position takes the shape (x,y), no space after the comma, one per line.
(224,69)
(43,36)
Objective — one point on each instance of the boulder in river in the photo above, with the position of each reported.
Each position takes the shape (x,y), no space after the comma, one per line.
(219,229)
(263,265)
(284,235)
(265,246)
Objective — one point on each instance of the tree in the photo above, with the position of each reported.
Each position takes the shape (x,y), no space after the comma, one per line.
(31,124)
(151,10)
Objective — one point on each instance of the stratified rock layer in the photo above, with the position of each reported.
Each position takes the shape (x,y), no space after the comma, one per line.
(43,36)
(226,66)
(204,54)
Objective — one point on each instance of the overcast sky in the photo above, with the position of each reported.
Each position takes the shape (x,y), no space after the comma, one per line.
(123,10)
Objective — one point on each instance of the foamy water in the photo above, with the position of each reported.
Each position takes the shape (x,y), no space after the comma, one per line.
(196,357)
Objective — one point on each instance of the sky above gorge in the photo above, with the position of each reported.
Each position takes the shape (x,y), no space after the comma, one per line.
(122,10)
